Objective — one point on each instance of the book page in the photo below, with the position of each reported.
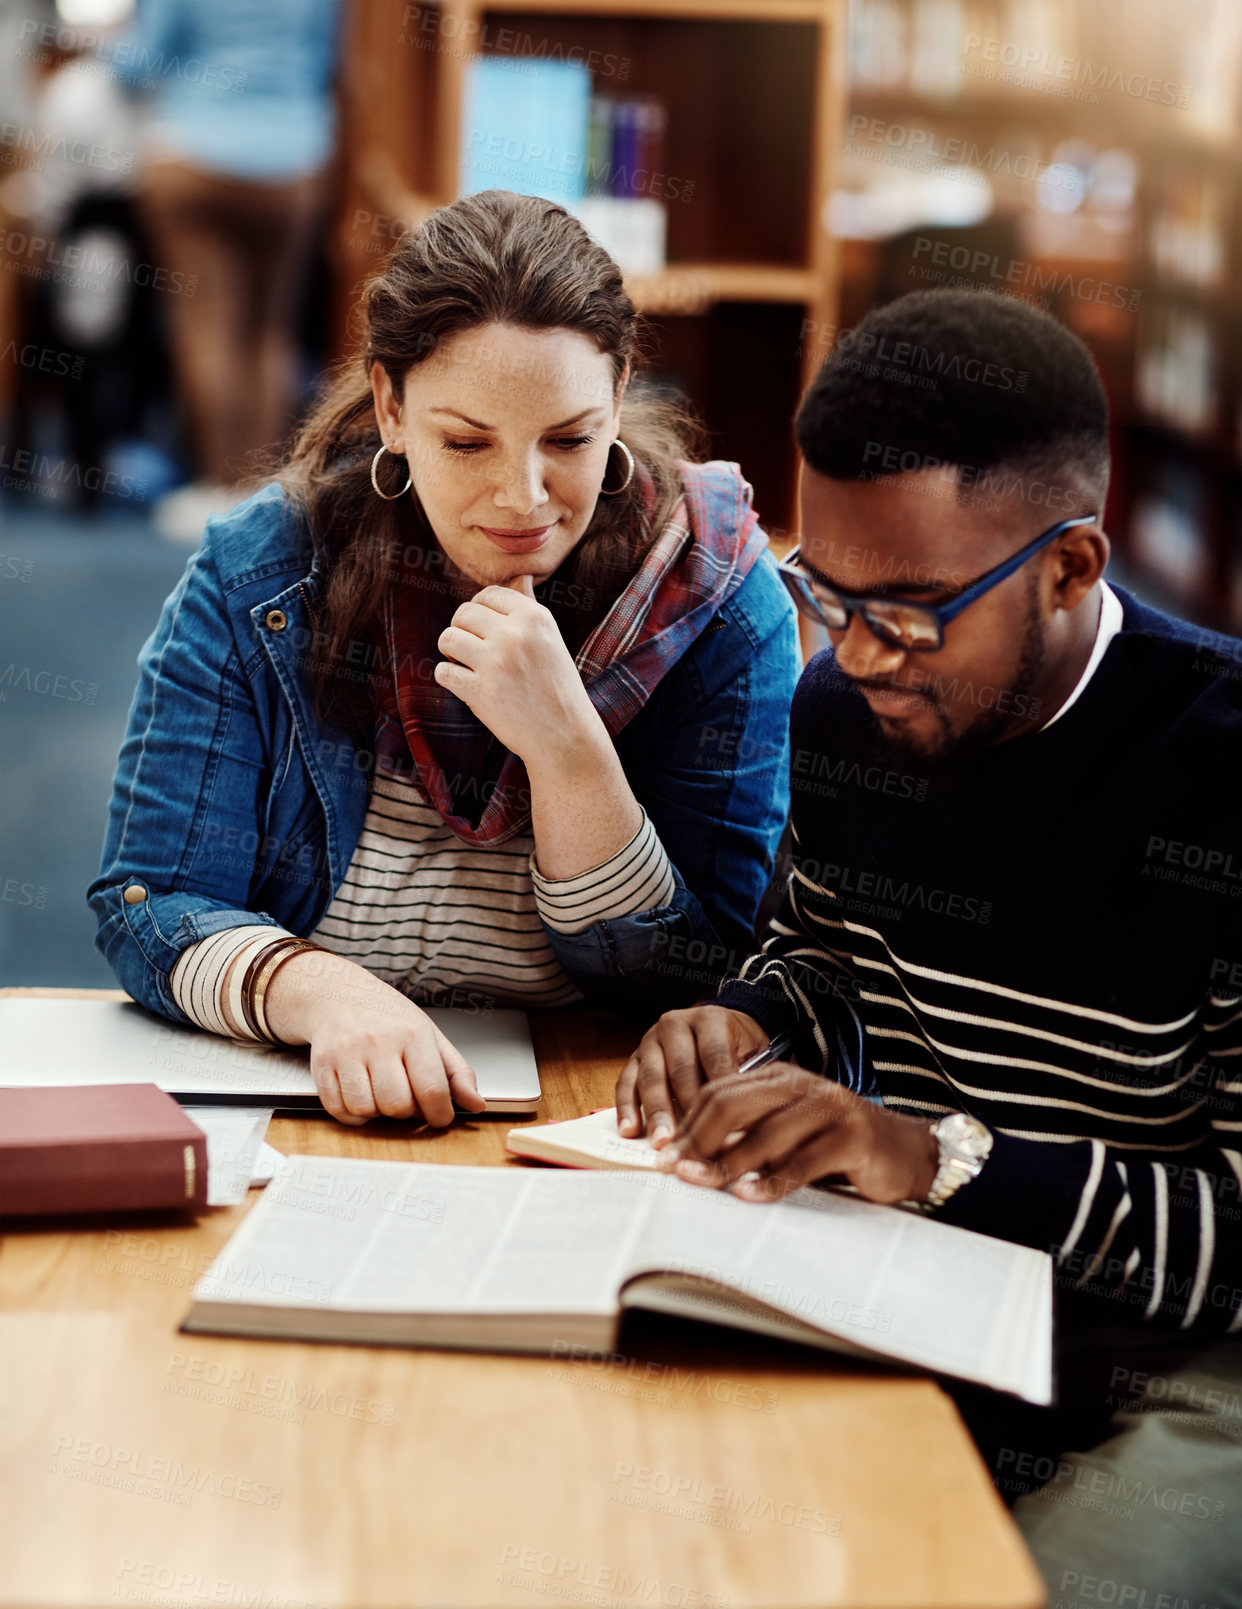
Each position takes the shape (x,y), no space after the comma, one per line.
(880,1278)
(566,1250)
(398,1237)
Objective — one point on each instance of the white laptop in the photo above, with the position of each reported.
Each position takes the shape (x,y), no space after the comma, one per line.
(49,1040)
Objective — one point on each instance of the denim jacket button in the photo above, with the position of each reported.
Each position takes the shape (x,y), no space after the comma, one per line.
(276,620)
(134,894)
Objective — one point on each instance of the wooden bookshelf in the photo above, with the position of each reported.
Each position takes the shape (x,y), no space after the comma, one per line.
(755,96)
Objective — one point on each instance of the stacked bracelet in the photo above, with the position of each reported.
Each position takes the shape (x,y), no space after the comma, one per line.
(258,981)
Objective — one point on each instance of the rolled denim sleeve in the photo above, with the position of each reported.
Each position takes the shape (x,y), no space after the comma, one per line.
(708,759)
(190,784)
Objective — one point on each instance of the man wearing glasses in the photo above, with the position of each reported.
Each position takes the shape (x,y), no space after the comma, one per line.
(1008,959)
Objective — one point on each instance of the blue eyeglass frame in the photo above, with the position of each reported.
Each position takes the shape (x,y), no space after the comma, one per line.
(797,579)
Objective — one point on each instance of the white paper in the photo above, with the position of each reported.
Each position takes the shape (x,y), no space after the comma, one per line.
(234,1137)
(265,1165)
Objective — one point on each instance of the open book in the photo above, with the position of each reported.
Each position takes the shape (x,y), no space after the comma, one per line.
(497,1259)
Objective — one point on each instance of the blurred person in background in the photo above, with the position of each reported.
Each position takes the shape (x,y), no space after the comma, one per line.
(234,161)
(16,98)
(81,305)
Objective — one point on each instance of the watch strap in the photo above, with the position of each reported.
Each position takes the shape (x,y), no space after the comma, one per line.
(954,1171)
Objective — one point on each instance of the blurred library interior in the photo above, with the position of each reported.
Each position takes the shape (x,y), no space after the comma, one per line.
(765,173)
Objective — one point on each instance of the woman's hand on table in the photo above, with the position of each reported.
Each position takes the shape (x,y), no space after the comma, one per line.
(373,1053)
(684,1051)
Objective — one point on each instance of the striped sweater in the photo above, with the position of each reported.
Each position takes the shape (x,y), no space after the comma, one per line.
(1047,935)
(446,923)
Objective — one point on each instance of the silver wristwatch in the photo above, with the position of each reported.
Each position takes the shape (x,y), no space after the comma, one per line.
(965,1145)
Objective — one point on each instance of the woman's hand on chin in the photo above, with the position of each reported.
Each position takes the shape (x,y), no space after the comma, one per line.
(506,659)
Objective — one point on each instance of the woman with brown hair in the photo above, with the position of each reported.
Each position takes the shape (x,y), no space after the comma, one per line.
(485,697)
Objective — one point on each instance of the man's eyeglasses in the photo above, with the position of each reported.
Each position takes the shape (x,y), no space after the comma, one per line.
(915,626)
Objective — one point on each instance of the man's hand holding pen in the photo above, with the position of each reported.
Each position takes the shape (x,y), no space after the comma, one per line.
(684,1050)
(758,1126)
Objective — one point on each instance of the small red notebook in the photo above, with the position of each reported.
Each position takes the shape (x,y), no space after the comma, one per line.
(98,1148)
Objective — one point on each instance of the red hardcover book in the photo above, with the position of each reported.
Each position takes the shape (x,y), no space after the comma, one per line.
(98,1148)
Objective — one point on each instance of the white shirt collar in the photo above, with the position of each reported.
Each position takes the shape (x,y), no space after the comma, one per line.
(1109,626)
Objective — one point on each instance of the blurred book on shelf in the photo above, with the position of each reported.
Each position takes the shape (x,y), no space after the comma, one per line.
(535,126)
(1187,238)
(1175,371)
(1168,532)
(878,45)
(525,127)
(599,145)
(1132,60)
(622,210)
(631,229)
(937,29)
(941,49)
(1209,57)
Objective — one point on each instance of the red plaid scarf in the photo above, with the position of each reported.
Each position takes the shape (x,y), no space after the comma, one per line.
(708,546)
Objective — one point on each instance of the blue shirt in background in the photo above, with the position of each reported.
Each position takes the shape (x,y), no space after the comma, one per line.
(240,87)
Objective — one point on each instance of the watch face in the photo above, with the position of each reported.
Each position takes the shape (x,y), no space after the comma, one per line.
(966,1135)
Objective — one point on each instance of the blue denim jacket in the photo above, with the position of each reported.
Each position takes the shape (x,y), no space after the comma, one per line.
(233,804)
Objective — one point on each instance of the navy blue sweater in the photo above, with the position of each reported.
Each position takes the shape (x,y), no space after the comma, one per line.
(1047,935)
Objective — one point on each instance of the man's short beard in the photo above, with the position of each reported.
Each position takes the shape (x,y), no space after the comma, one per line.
(955,748)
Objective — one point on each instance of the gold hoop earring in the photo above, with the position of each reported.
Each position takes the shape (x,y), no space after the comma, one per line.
(388,497)
(629,458)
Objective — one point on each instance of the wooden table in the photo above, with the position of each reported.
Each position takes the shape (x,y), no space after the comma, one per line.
(698,1468)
